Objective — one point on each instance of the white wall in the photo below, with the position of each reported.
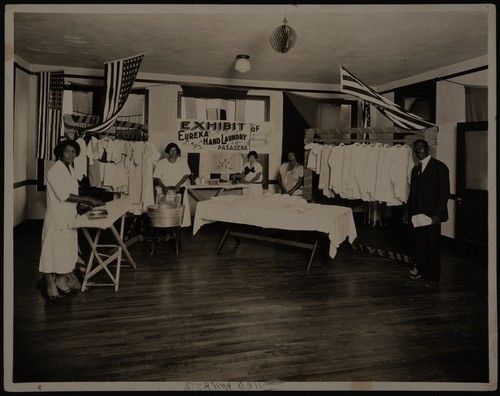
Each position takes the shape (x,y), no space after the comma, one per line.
(24,141)
(20,137)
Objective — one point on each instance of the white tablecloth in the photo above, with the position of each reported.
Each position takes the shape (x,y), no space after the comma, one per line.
(281,212)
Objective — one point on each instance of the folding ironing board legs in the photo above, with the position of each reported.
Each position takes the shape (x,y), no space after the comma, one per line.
(95,255)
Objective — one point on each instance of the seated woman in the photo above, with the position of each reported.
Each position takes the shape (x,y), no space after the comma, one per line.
(171,174)
(252,174)
(291,176)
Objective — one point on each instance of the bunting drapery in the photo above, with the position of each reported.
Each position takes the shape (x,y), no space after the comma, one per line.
(119,76)
(352,85)
(50,97)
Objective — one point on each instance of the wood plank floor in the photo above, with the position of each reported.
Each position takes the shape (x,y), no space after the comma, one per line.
(252,313)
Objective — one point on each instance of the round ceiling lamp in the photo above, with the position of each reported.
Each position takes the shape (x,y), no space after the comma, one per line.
(283,38)
(242,63)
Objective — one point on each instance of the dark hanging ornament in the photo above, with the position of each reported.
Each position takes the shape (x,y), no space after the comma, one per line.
(283,38)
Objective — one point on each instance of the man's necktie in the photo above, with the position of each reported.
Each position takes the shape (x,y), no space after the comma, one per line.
(419,168)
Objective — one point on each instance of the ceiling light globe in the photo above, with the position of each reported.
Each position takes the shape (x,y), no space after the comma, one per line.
(242,63)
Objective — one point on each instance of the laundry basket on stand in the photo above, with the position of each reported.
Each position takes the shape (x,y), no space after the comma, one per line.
(165,219)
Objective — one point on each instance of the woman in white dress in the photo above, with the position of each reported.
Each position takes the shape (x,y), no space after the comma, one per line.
(59,242)
(171,174)
(252,174)
(291,176)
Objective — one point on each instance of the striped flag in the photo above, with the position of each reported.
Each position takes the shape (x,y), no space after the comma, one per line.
(50,97)
(351,85)
(367,121)
(119,76)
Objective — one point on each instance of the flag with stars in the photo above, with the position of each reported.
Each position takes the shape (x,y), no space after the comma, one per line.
(367,122)
(50,98)
(119,76)
(352,85)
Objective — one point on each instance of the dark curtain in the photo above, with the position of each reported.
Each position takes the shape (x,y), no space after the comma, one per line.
(294,126)
(196,91)
(476,104)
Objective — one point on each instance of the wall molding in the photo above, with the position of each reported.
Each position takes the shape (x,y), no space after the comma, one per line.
(18,66)
(29,182)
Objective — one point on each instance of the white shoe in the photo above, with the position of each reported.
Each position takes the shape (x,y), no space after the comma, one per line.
(414,271)
(72,281)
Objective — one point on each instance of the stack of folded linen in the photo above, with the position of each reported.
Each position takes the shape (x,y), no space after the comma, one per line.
(98,213)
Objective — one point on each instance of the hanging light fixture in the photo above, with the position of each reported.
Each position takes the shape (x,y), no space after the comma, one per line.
(242,63)
(283,38)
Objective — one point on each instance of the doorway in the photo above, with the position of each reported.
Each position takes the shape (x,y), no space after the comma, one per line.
(472,191)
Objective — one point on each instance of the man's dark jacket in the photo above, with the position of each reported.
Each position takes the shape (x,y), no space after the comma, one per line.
(429,192)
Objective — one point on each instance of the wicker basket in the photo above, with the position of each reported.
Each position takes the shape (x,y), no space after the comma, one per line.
(165,215)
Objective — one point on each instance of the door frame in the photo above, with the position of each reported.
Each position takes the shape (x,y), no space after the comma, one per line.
(462,128)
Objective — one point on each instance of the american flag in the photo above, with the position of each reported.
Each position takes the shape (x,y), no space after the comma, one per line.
(367,121)
(50,97)
(351,85)
(119,76)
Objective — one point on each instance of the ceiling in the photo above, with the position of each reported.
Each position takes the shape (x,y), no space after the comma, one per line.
(379,44)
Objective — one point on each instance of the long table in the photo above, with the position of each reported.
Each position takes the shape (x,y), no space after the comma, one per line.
(278,212)
(117,209)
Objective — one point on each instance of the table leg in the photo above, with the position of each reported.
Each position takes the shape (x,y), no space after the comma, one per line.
(221,243)
(119,259)
(312,255)
(197,196)
(219,191)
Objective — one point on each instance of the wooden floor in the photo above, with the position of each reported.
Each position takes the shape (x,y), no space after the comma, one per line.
(253,314)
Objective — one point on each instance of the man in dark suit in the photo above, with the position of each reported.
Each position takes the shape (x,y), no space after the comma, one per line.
(429,194)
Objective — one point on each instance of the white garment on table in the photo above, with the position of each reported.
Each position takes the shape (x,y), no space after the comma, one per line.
(59,252)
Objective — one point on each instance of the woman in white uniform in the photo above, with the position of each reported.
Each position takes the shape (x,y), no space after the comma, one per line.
(252,174)
(171,173)
(59,242)
(291,176)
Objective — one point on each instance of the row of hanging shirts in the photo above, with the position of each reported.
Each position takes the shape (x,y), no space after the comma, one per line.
(370,172)
(120,166)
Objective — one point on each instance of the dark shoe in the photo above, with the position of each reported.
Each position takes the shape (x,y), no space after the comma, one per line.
(56,300)
(416,277)
(432,285)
